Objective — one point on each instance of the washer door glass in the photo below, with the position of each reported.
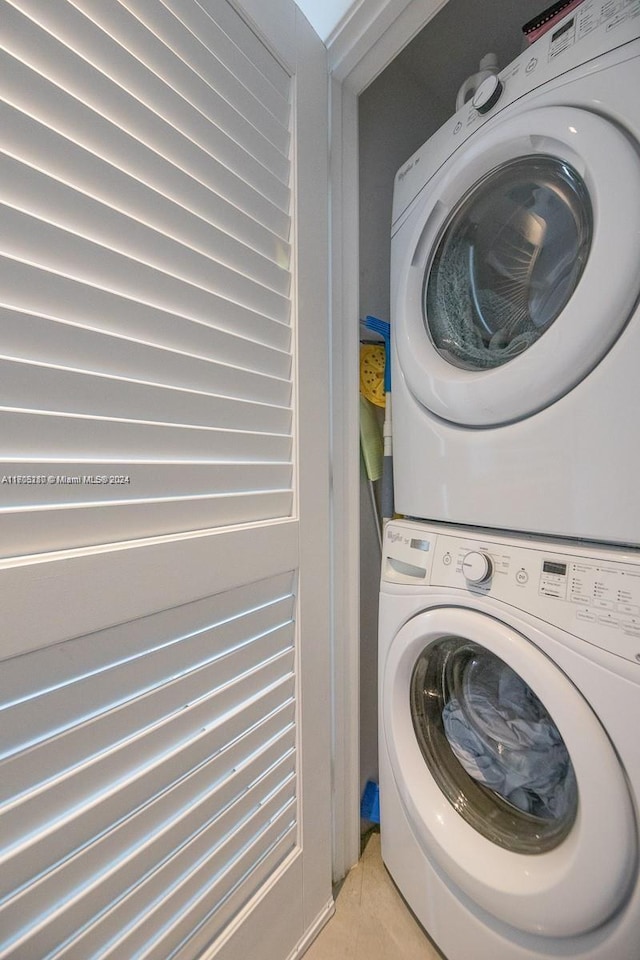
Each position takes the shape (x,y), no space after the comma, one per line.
(508,261)
(492,747)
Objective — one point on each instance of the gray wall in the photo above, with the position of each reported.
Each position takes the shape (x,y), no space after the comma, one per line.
(398,112)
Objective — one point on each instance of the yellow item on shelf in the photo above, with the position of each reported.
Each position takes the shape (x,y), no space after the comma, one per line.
(372,372)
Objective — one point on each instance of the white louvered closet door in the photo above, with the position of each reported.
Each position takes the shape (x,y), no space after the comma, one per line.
(164,491)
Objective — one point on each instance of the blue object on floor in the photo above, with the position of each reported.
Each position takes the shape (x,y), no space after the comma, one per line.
(370,804)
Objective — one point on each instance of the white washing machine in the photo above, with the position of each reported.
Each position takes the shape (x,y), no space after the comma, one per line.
(509,753)
(515,282)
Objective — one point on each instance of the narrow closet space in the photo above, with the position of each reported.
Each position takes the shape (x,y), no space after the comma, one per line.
(398,112)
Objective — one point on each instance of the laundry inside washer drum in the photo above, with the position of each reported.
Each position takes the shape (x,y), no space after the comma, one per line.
(503,736)
(508,261)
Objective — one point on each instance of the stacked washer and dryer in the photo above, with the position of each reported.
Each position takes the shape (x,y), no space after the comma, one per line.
(510,602)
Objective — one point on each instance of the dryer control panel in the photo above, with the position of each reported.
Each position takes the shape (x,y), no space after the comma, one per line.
(594,595)
(590,30)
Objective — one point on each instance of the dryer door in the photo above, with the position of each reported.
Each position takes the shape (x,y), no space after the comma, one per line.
(521,270)
(506,775)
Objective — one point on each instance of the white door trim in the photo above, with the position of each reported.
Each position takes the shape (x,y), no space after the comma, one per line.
(372,34)
(359,49)
(343,179)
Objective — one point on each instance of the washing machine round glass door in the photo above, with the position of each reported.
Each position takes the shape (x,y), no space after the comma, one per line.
(520,268)
(492,747)
(508,778)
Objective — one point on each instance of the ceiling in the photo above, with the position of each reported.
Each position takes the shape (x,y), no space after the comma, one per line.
(325,15)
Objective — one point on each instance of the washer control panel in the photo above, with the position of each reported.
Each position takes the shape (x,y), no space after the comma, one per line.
(594,596)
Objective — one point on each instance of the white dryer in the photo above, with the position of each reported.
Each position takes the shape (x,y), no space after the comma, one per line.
(515,280)
(509,761)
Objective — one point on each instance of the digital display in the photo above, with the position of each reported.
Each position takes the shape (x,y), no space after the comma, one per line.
(420,545)
(550,566)
(563,29)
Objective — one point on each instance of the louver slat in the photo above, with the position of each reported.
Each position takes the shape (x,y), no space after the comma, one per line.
(45,125)
(56,479)
(217,261)
(39,529)
(225,35)
(32,386)
(224,100)
(151,106)
(30,337)
(150,777)
(224,68)
(145,274)
(261,315)
(257,849)
(28,290)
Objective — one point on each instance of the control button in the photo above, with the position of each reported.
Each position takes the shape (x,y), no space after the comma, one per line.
(522,576)
(447,559)
(457,128)
(605,604)
(532,64)
(550,590)
(629,608)
(487,94)
(586,615)
(477,567)
(615,21)
(609,621)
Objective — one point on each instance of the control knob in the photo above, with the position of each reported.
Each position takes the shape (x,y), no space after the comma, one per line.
(477,567)
(487,94)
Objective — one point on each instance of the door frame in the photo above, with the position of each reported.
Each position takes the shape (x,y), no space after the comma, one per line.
(361,46)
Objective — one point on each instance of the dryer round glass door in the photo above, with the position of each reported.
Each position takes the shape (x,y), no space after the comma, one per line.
(507,777)
(508,261)
(519,269)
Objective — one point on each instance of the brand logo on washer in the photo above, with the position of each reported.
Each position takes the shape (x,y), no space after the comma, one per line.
(394,537)
(402,173)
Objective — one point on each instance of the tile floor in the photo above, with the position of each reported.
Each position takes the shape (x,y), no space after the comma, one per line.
(371,921)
